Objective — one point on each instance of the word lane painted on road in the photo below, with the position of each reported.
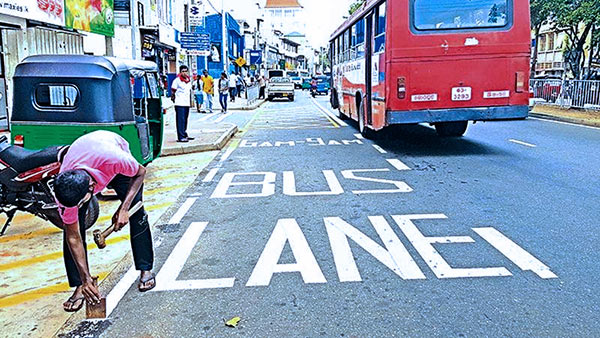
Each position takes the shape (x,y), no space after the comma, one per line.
(309,142)
(393,254)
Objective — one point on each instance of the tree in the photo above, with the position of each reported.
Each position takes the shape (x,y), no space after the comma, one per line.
(540,11)
(355,6)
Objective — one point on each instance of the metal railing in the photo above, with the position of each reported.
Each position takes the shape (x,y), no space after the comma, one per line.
(567,93)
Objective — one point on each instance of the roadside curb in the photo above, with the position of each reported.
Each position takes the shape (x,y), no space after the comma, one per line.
(197,148)
(253,107)
(563,119)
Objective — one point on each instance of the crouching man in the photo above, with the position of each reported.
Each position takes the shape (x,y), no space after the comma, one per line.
(93,162)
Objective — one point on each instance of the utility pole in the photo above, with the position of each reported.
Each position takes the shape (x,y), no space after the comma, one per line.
(225,55)
(132,12)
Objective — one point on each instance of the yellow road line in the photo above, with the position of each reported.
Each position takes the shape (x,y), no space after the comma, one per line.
(166,177)
(39,293)
(329,118)
(165,189)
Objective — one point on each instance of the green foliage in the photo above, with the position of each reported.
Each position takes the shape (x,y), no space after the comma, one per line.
(355,6)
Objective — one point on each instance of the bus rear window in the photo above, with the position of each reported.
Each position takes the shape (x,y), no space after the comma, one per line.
(460,14)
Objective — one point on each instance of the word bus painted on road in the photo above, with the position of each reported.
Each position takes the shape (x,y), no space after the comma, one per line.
(444,62)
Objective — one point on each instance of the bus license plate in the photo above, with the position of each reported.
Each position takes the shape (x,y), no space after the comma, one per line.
(284,94)
(461,93)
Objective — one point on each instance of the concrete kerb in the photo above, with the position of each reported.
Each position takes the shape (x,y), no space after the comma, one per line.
(548,112)
(251,107)
(188,148)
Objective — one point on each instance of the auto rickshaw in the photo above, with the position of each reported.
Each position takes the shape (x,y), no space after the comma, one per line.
(58,98)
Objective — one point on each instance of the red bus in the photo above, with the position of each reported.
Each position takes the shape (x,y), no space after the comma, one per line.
(442,62)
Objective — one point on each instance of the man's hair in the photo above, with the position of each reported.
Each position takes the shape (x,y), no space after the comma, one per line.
(71,186)
(182,68)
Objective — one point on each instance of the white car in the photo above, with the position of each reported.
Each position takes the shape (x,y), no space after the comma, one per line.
(280,87)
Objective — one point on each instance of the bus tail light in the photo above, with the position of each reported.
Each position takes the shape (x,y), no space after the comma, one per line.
(19,140)
(520,82)
(401,88)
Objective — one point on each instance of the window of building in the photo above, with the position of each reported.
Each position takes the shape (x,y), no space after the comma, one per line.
(551,41)
(542,43)
(379,29)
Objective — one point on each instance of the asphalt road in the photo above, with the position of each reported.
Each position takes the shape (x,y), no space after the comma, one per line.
(303,229)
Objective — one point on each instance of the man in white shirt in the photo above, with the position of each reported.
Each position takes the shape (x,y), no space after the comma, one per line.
(181,95)
(232,86)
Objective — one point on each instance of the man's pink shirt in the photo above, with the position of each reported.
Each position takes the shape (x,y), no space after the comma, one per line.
(104,155)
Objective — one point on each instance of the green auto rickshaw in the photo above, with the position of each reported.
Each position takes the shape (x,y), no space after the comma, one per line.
(58,98)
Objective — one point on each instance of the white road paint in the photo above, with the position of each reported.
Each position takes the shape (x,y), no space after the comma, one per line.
(515,253)
(401,187)
(210,175)
(398,164)
(117,293)
(267,185)
(359,136)
(167,276)
(185,207)
(227,154)
(437,264)
(394,256)
(222,117)
(326,111)
(522,143)
(289,185)
(286,230)
(379,149)
(204,118)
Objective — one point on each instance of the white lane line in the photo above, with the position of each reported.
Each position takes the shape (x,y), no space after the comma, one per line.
(211,174)
(326,111)
(222,117)
(178,216)
(117,293)
(227,154)
(522,143)
(379,149)
(359,136)
(398,164)
(204,118)
(562,122)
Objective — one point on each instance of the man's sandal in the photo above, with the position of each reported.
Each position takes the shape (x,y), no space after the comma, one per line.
(151,278)
(72,301)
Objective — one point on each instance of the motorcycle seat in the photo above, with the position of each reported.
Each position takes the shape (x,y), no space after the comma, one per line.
(22,160)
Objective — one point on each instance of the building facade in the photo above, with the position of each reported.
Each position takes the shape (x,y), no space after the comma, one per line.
(222,57)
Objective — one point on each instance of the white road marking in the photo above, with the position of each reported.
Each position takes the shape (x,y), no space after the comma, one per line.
(267,185)
(117,293)
(286,230)
(398,164)
(167,276)
(211,174)
(289,185)
(432,257)
(379,149)
(394,256)
(359,136)
(204,118)
(326,111)
(178,216)
(522,143)
(514,252)
(222,117)
(562,122)
(227,154)
(401,187)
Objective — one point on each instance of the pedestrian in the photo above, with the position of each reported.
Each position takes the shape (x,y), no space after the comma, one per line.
(232,86)
(93,162)
(262,82)
(181,91)
(208,84)
(199,94)
(239,85)
(223,90)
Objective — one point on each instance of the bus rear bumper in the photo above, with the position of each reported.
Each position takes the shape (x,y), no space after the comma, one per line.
(458,114)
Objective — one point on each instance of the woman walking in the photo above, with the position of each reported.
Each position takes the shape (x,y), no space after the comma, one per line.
(223,90)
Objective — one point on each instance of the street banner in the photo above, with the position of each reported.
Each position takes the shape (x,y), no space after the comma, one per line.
(255,57)
(95,16)
(49,11)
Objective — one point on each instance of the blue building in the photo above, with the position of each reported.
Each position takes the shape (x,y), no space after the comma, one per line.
(235,43)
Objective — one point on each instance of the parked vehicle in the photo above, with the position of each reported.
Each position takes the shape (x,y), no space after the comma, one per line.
(306,83)
(323,84)
(282,87)
(26,184)
(272,73)
(61,97)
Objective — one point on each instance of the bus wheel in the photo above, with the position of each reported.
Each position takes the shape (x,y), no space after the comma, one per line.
(451,129)
(365,131)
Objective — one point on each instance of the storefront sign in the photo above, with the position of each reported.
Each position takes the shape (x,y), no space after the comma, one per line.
(49,11)
(148,45)
(94,16)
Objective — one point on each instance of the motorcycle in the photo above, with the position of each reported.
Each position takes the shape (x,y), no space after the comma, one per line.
(313,91)
(26,184)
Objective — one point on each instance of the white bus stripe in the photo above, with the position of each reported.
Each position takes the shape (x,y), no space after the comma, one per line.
(211,174)
(326,111)
(398,164)
(379,149)
(178,216)
(522,143)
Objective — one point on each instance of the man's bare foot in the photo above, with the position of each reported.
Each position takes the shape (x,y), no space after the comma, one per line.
(147,281)
(75,302)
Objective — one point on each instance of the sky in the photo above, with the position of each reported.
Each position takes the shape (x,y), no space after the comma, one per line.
(325,15)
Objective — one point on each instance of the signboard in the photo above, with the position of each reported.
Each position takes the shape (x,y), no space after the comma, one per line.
(196,15)
(240,61)
(148,45)
(215,53)
(91,16)
(49,11)
(255,57)
(195,43)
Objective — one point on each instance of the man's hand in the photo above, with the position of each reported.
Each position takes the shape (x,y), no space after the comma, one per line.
(173,98)
(90,291)
(120,218)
